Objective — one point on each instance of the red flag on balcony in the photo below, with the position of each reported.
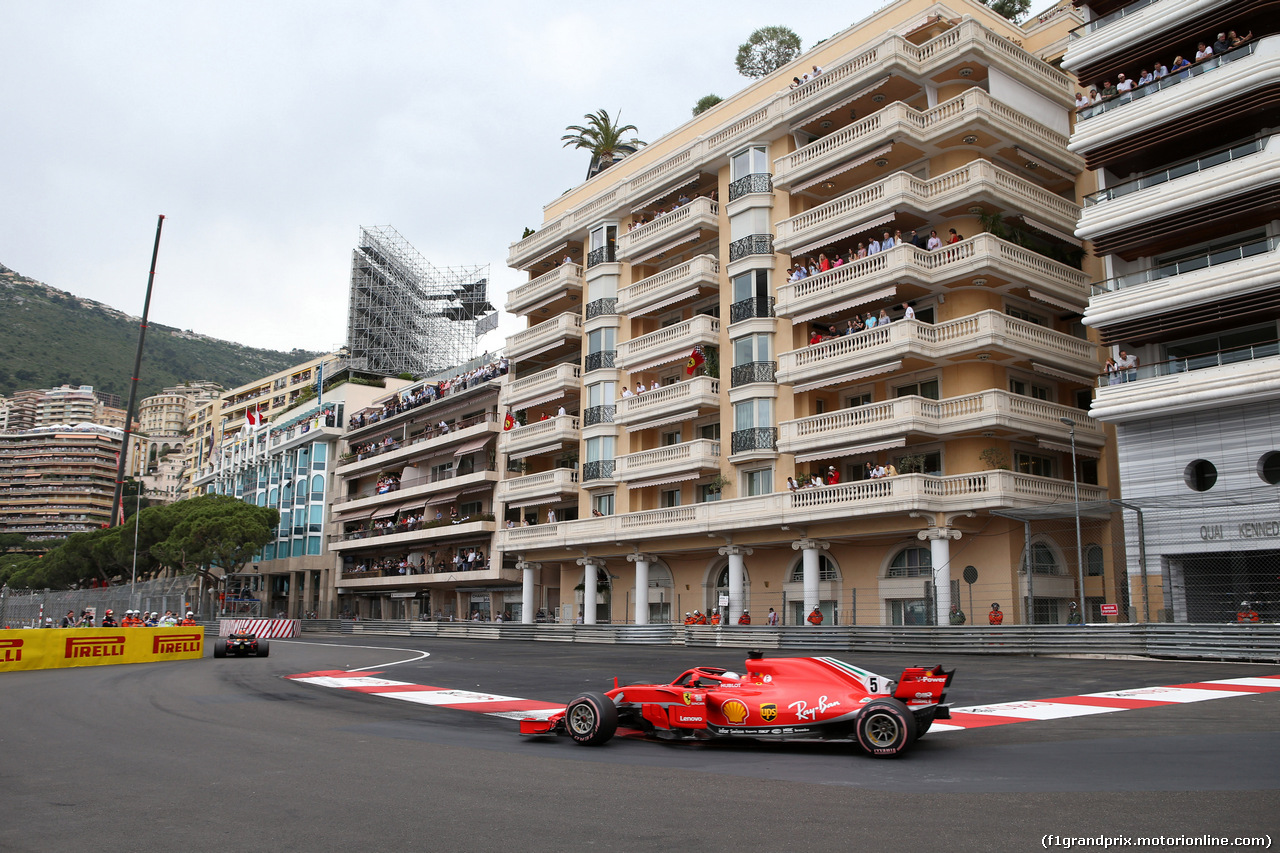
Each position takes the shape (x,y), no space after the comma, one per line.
(508,422)
(695,359)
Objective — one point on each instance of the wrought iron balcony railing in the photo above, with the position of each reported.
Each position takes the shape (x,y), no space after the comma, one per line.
(598,360)
(752,244)
(754,306)
(753,371)
(761,182)
(597,415)
(601,307)
(601,469)
(754,438)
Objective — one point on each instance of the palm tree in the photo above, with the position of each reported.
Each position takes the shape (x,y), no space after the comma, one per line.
(603,138)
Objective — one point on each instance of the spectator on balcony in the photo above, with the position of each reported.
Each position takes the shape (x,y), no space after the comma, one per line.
(873,247)
(1124,85)
(871,471)
(551,516)
(639,387)
(566,260)
(1128,363)
(1180,64)
(934,241)
(954,238)
(908,313)
(1222,45)
(916,239)
(1203,52)
(655,386)
(837,261)
(824,263)
(626,392)
(833,476)
(1082,100)
(1109,372)
(883,319)
(1236,40)
(560,411)
(869,321)
(817,70)
(1094,97)
(887,242)
(791,484)
(796,82)
(1159,71)
(862,251)
(1108,91)
(1146,77)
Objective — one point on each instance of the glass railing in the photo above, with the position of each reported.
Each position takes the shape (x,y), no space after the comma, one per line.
(1201,361)
(1210,258)
(1181,170)
(1174,78)
(1098,23)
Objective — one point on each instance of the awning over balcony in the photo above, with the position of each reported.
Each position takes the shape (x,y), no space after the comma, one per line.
(1051,231)
(644,205)
(1052,300)
(556,248)
(545,398)
(658,306)
(888,367)
(840,235)
(850,450)
(524,503)
(389,509)
(546,448)
(662,421)
(443,498)
(355,514)
(662,481)
(666,247)
(1065,375)
(1091,452)
(867,90)
(879,152)
(474,445)
(841,306)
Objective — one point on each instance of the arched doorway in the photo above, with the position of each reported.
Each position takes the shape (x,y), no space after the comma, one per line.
(829,592)
(720,601)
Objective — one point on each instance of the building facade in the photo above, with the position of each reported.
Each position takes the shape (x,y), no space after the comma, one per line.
(414,521)
(1186,220)
(57,480)
(701,428)
(162,424)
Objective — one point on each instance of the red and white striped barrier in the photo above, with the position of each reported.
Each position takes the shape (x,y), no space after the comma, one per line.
(972,717)
(268,628)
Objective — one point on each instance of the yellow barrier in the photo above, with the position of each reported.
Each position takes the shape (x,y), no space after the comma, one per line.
(56,648)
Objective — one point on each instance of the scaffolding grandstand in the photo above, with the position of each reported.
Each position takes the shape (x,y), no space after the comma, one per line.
(408,316)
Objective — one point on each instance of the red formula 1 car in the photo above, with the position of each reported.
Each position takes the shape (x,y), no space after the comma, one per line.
(241,645)
(777,699)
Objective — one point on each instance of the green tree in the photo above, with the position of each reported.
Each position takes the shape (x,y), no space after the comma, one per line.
(705,103)
(1014,10)
(603,137)
(214,531)
(766,50)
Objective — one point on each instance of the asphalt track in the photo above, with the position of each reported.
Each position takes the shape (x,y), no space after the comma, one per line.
(230,755)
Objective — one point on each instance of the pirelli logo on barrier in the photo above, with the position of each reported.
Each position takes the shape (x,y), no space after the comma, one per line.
(174,643)
(54,648)
(95,647)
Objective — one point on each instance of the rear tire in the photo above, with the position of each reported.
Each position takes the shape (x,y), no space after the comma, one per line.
(220,649)
(591,719)
(264,648)
(886,728)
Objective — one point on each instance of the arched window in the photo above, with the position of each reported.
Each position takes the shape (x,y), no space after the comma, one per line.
(914,562)
(722,579)
(827,570)
(317,488)
(1093,561)
(1043,560)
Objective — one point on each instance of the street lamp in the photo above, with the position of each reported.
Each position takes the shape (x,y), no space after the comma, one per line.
(1075,487)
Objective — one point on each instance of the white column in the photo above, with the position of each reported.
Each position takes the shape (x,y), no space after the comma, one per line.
(526,590)
(810,551)
(737,573)
(939,539)
(642,562)
(590,566)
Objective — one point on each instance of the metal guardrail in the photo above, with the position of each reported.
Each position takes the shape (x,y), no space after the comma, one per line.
(1257,643)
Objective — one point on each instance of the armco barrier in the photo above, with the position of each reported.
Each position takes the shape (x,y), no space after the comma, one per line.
(267,628)
(56,648)
(1258,643)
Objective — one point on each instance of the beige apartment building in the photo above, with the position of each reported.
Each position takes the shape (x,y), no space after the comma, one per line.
(677,387)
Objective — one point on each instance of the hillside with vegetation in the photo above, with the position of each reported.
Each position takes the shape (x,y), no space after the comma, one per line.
(50,337)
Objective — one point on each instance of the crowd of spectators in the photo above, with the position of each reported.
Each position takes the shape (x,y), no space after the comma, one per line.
(406,521)
(1225,43)
(429,392)
(463,559)
(650,215)
(797,82)
(816,266)
(855,323)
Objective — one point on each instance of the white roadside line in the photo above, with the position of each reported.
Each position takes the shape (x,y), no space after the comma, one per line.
(420,655)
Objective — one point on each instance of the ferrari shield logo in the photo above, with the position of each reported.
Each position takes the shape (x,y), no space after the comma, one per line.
(769,712)
(688,698)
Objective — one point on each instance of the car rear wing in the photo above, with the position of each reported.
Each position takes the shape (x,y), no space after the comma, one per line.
(923,686)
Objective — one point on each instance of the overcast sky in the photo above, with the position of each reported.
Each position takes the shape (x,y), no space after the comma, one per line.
(268,132)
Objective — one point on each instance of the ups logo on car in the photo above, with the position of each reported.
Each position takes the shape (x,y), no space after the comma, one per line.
(769,712)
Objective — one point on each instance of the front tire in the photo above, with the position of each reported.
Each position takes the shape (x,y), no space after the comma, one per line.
(220,649)
(264,648)
(886,728)
(591,719)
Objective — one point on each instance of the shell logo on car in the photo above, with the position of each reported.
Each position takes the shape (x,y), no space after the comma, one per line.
(735,712)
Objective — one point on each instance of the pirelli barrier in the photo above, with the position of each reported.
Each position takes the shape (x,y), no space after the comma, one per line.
(57,648)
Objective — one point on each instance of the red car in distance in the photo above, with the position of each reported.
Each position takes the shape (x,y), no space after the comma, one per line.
(774,699)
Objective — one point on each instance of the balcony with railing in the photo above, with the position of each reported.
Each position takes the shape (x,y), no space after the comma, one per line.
(878,276)
(541,387)
(833,434)
(1250,266)
(539,437)
(669,344)
(362,459)
(881,349)
(1193,91)
(751,372)
(673,463)
(409,536)
(669,404)
(972,111)
(1235,377)
(972,183)
(601,360)
(760,182)
(889,496)
(598,470)
(754,440)
(390,580)
(603,307)
(670,287)
(751,308)
(563,281)
(671,227)
(539,487)
(593,415)
(562,332)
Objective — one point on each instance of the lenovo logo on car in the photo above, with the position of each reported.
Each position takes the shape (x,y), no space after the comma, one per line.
(94,647)
(685,718)
(176,643)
